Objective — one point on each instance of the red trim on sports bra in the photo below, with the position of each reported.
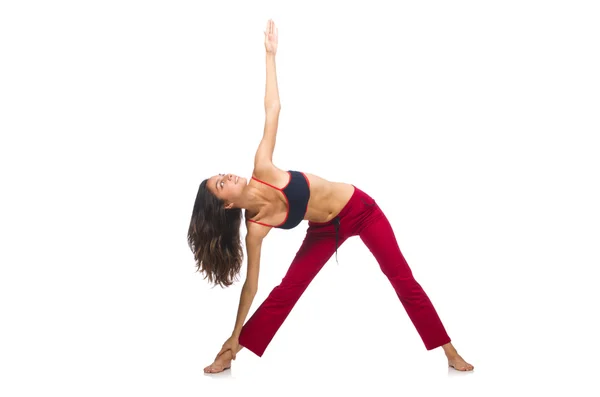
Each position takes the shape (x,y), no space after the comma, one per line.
(289,180)
(268,184)
(287,201)
(260,223)
(308,182)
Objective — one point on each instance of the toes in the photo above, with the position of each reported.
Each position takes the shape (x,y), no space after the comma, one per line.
(210,369)
(461,367)
(213,369)
(465,367)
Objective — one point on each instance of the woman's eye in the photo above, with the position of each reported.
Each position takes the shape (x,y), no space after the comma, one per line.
(222,184)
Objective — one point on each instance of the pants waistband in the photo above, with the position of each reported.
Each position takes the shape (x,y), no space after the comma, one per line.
(336,221)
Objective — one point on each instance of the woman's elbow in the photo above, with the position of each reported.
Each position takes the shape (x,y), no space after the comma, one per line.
(273,106)
(250,288)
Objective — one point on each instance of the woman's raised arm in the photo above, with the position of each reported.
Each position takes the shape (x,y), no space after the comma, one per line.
(264,154)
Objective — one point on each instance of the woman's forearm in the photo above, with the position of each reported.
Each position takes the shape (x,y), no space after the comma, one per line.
(271,90)
(246,298)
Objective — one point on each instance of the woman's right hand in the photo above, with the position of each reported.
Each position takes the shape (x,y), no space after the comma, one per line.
(271,37)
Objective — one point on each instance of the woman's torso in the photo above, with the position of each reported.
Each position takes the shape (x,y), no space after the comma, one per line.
(326,200)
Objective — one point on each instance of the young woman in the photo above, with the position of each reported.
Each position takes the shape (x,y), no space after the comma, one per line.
(282,199)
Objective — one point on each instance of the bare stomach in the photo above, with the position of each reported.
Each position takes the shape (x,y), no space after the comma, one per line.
(326,198)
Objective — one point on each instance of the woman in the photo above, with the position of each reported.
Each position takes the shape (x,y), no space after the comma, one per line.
(276,198)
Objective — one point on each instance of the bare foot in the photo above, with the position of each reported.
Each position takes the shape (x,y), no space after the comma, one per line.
(222,363)
(457,362)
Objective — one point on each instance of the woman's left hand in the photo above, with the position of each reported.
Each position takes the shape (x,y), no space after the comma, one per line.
(232,344)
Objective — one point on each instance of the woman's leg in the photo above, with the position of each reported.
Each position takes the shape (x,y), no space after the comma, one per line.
(379,237)
(381,241)
(317,247)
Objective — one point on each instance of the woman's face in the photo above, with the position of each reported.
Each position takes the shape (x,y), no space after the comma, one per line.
(227,187)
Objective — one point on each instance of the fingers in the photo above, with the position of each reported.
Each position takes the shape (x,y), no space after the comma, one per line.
(271,33)
(223,350)
(271,28)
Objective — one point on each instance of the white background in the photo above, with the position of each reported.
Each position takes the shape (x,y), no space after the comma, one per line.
(471,123)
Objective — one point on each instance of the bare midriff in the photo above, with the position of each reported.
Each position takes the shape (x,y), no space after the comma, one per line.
(326,198)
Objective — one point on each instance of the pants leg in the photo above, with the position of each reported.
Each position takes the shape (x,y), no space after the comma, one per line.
(316,249)
(379,238)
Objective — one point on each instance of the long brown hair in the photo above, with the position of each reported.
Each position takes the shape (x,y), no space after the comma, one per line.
(214,238)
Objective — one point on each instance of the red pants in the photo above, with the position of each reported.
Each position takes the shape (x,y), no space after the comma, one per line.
(361,216)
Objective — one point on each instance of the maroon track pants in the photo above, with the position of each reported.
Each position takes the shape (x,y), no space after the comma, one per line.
(361,216)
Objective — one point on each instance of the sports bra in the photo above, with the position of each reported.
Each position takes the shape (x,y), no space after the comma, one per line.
(296,193)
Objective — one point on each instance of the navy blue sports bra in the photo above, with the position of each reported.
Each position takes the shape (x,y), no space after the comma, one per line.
(296,193)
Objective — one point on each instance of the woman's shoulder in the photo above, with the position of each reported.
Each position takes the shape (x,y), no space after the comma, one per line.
(271,175)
